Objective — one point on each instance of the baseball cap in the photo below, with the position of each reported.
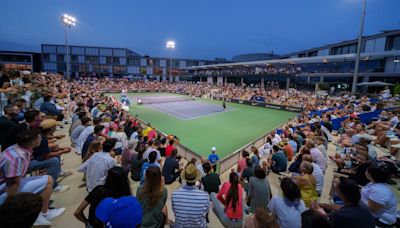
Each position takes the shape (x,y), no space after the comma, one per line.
(213,148)
(124,212)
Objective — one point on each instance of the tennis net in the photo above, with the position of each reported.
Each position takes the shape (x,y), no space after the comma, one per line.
(154,100)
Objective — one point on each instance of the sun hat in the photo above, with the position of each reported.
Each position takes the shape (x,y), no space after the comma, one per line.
(124,212)
(190,174)
(281,145)
(48,123)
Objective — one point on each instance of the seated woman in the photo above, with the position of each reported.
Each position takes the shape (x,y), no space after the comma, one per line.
(307,183)
(136,165)
(228,204)
(379,197)
(261,218)
(288,209)
(127,156)
(259,190)
(152,197)
(357,172)
(116,186)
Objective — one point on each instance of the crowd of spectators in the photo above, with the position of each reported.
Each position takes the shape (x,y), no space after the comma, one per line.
(115,146)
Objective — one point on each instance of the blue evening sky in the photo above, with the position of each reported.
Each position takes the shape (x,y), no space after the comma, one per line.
(202,29)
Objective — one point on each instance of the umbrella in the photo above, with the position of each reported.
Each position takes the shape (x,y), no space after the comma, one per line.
(375,83)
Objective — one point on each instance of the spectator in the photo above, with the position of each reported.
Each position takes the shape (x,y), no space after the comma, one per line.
(128,155)
(49,108)
(190,197)
(94,147)
(77,121)
(153,147)
(136,166)
(288,208)
(7,122)
(151,162)
(44,158)
(213,158)
(14,162)
(200,166)
(278,161)
(261,218)
(306,183)
(242,162)
(228,203)
(169,148)
(120,212)
(211,180)
(121,138)
(152,196)
(247,173)
(95,135)
(351,214)
(317,155)
(85,121)
(312,219)
(379,198)
(259,193)
(96,168)
(85,134)
(115,186)
(171,169)
(20,210)
(255,159)
(317,173)
(32,120)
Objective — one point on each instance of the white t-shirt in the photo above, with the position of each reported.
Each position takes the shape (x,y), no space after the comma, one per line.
(288,213)
(319,177)
(122,139)
(383,195)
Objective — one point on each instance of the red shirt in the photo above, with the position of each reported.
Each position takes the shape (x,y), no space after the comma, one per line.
(168,150)
(289,152)
(223,194)
(241,165)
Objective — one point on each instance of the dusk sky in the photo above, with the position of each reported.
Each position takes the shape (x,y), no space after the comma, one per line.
(201,29)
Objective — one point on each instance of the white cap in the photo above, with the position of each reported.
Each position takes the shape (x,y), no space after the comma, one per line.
(213,148)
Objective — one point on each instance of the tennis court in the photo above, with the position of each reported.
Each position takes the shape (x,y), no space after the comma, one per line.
(202,123)
(180,107)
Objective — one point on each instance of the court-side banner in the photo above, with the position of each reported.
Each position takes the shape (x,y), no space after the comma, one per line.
(262,104)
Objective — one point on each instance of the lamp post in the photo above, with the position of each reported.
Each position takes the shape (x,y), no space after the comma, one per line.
(69,22)
(170,45)
(357,64)
(396,61)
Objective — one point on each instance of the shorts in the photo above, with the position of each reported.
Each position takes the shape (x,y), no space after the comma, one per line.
(33,184)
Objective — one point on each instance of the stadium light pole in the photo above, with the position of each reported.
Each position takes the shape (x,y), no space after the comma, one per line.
(170,45)
(357,63)
(69,22)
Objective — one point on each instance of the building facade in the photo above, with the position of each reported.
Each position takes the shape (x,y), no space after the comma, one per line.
(114,62)
(11,60)
(380,55)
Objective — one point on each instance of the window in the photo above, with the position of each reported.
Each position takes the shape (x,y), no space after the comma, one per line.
(46,58)
(133,62)
(157,62)
(92,51)
(53,58)
(190,63)
(119,69)
(92,59)
(120,52)
(313,53)
(109,60)
(81,59)
(122,61)
(393,43)
(103,60)
(49,49)
(61,49)
(50,66)
(106,51)
(60,58)
(77,50)
(116,60)
(74,58)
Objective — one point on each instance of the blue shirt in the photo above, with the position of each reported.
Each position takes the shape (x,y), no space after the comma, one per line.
(213,158)
(145,166)
(48,108)
(280,161)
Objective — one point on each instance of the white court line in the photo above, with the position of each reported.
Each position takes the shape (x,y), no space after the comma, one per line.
(210,114)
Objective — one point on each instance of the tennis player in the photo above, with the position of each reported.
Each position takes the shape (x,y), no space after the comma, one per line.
(224,104)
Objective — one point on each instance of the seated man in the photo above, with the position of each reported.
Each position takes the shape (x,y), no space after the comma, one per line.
(171,169)
(14,162)
(46,158)
(278,162)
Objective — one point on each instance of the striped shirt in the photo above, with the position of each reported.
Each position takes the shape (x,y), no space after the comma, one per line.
(14,162)
(190,206)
